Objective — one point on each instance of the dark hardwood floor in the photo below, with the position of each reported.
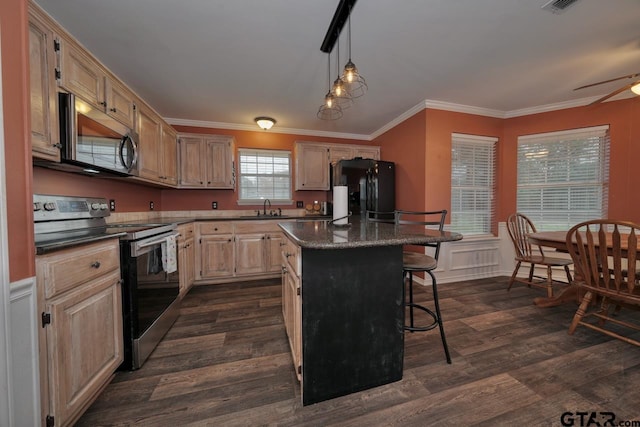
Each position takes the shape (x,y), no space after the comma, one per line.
(226,362)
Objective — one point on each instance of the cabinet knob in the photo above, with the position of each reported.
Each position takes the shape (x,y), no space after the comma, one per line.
(95,264)
(284,269)
(112,109)
(103,103)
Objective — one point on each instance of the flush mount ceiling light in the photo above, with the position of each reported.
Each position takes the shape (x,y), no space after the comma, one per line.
(636,89)
(265,123)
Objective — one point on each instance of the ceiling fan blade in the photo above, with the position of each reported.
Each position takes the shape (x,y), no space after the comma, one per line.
(629,76)
(615,92)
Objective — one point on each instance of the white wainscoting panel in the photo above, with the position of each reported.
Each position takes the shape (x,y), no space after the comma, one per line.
(24,353)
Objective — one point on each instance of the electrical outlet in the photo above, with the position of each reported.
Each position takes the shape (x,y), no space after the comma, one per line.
(112,205)
(151,205)
(299,204)
(214,205)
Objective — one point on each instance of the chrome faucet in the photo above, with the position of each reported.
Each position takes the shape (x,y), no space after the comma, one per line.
(264,206)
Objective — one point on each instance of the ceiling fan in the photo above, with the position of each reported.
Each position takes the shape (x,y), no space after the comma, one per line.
(634,86)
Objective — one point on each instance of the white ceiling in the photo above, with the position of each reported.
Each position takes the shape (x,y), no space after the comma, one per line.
(228,61)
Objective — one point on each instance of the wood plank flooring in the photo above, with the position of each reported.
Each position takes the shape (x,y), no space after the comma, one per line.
(226,362)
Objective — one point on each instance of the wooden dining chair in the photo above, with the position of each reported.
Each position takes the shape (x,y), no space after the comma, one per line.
(519,225)
(605,257)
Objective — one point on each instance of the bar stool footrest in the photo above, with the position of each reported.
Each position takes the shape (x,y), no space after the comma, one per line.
(422,328)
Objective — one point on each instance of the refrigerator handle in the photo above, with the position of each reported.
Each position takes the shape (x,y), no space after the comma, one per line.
(370,191)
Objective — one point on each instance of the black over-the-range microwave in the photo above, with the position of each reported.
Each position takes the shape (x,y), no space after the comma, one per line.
(94,143)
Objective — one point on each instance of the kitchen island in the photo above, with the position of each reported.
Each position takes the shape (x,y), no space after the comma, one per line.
(343,303)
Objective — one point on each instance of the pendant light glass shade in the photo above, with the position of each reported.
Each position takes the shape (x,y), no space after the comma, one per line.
(329,110)
(353,81)
(341,95)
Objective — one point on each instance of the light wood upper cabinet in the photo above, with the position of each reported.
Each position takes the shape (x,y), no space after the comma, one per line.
(169,155)
(206,161)
(312,167)
(120,102)
(149,150)
(83,76)
(313,160)
(44,100)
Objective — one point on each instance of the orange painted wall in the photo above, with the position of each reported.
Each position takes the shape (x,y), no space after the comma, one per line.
(17,143)
(405,146)
(623,118)
(129,196)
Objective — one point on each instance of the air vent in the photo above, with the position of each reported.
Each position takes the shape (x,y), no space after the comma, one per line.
(558,6)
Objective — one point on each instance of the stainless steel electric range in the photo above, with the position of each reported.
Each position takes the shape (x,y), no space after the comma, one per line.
(150,301)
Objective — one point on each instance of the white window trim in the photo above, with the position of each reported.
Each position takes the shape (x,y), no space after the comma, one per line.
(481,140)
(261,200)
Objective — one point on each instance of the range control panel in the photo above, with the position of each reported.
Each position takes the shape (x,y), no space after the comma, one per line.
(54,208)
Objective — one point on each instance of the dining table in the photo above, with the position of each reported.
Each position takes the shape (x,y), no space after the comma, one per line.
(558,241)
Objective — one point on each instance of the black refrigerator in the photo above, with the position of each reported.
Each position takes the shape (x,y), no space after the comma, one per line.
(371,184)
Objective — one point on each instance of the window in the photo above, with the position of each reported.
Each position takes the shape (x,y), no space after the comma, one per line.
(264,174)
(563,177)
(472,183)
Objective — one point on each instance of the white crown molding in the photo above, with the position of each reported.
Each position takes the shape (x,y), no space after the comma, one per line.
(427,103)
(278,129)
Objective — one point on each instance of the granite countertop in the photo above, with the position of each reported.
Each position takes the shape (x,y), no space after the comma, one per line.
(323,235)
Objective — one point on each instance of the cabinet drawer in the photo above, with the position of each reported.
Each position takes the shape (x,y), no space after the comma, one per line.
(71,267)
(215,228)
(187,231)
(257,226)
(291,253)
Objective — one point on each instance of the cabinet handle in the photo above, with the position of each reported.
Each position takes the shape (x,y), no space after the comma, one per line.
(282,244)
(112,109)
(95,264)
(284,269)
(103,103)
(287,254)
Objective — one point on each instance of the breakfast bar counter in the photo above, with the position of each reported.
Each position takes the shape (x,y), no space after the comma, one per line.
(343,303)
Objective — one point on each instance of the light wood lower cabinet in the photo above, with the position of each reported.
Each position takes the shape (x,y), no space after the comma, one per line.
(229,250)
(81,343)
(186,257)
(292,301)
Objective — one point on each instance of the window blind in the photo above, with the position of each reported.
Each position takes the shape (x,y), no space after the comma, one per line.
(264,174)
(563,177)
(473,160)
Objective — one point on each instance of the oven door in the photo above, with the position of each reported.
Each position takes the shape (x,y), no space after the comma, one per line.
(150,297)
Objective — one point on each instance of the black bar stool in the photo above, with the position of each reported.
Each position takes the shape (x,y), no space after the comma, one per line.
(420,262)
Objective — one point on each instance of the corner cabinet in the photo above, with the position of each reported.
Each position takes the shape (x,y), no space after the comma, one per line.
(44,100)
(206,161)
(81,340)
(313,162)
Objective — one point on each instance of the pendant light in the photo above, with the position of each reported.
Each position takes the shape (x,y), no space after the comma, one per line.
(353,81)
(329,110)
(339,90)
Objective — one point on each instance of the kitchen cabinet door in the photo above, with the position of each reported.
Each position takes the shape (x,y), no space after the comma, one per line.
(275,243)
(149,152)
(216,256)
(312,167)
(250,253)
(219,157)
(367,152)
(292,314)
(81,75)
(84,345)
(120,103)
(44,100)
(169,156)
(340,153)
(186,257)
(191,162)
